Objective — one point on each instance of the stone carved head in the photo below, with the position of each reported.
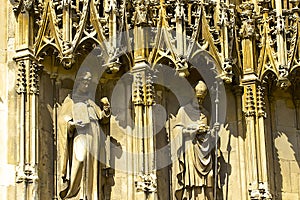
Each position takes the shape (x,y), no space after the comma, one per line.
(84,80)
(201,91)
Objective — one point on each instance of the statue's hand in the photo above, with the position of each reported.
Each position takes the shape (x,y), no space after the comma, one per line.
(105,103)
(216,126)
(203,128)
(191,129)
(77,123)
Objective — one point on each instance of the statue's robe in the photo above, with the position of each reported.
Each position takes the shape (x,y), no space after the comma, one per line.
(194,166)
(80,147)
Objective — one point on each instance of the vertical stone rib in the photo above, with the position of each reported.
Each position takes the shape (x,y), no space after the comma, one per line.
(241,148)
(250,137)
(21,90)
(263,170)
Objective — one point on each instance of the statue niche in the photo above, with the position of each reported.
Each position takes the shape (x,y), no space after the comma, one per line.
(194,169)
(80,142)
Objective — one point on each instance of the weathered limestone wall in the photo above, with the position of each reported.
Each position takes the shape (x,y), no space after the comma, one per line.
(230,171)
(286,147)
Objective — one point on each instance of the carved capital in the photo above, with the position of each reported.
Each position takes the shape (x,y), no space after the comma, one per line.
(248,29)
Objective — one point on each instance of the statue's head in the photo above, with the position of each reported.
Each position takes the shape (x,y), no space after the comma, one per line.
(84,81)
(201,91)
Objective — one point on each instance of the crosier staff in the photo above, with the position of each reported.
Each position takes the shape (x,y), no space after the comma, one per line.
(216,129)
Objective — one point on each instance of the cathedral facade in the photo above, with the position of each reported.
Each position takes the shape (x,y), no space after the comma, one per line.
(150,99)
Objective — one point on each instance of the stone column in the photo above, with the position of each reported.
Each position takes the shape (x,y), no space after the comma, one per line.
(21,90)
(143,137)
(255,143)
(263,178)
(250,137)
(27,90)
(253,108)
(145,178)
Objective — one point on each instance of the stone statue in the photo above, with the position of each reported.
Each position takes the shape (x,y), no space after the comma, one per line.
(194,171)
(80,141)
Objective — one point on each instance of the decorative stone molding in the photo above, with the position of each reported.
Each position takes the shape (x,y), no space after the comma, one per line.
(21,80)
(261,102)
(31,173)
(150,90)
(34,78)
(250,102)
(27,175)
(138,93)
